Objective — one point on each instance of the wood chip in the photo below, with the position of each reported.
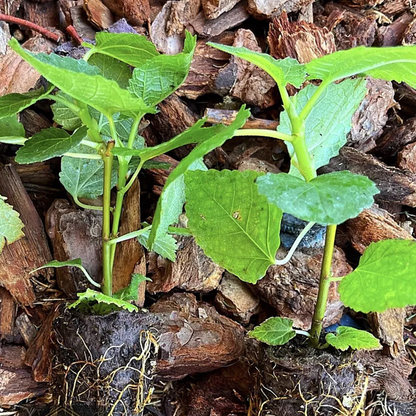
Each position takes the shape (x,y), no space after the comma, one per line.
(27,329)
(7,315)
(393,34)
(406,159)
(98,14)
(136,12)
(268,9)
(215,8)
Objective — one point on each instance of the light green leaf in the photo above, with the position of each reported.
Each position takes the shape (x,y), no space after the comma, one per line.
(10,126)
(131,292)
(10,224)
(328,199)
(347,337)
(329,122)
(63,116)
(390,63)
(385,278)
(232,222)
(49,143)
(14,103)
(83,82)
(217,136)
(111,68)
(165,245)
(283,71)
(159,77)
(132,49)
(274,331)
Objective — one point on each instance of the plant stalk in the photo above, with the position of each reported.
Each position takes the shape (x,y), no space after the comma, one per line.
(324,283)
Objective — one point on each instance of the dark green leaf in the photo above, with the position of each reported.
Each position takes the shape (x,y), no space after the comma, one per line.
(10,126)
(10,224)
(347,337)
(63,116)
(113,69)
(274,331)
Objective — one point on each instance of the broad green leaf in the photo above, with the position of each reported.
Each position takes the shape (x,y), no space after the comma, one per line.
(385,278)
(390,63)
(123,126)
(49,143)
(165,245)
(159,77)
(283,71)
(83,82)
(132,49)
(131,292)
(10,126)
(154,164)
(328,199)
(232,222)
(63,116)
(347,337)
(83,178)
(14,103)
(10,224)
(274,331)
(209,139)
(84,299)
(113,69)
(329,122)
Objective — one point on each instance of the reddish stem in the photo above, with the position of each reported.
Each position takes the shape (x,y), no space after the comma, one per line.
(74,34)
(45,32)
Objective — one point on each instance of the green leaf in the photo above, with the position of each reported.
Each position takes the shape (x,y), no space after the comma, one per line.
(113,69)
(328,199)
(283,71)
(63,116)
(10,126)
(329,122)
(83,82)
(130,48)
(347,337)
(10,224)
(209,138)
(131,292)
(231,222)
(154,164)
(390,63)
(159,77)
(93,296)
(385,278)
(49,143)
(274,331)
(14,103)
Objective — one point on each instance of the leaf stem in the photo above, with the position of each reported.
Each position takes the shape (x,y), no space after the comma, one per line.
(133,132)
(134,176)
(264,133)
(324,283)
(83,155)
(73,107)
(86,206)
(312,101)
(128,236)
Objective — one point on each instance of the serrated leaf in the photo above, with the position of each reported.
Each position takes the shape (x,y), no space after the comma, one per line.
(10,224)
(328,199)
(113,69)
(131,292)
(274,331)
(385,278)
(329,122)
(63,116)
(49,143)
(389,63)
(130,48)
(209,138)
(165,245)
(83,82)
(14,103)
(160,76)
(283,71)
(93,296)
(232,222)
(347,337)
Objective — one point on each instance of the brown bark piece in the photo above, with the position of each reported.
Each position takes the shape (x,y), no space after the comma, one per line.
(75,234)
(28,253)
(409,37)
(395,185)
(10,7)
(372,225)
(292,289)
(206,28)
(371,116)
(136,12)
(4,37)
(392,8)
(98,14)
(194,337)
(81,23)
(215,8)
(44,14)
(406,97)
(130,252)
(393,34)
(406,159)
(7,315)
(26,328)
(192,271)
(299,40)
(268,9)
(12,356)
(160,176)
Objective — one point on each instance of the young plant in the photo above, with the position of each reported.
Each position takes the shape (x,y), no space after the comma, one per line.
(235,216)
(99,102)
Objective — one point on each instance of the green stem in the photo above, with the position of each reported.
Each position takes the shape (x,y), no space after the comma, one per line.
(133,132)
(86,206)
(312,101)
(324,283)
(264,133)
(134,176)
(128,236)
(304,161)
(107,269)
(83,156)
(89,53)
(74,108)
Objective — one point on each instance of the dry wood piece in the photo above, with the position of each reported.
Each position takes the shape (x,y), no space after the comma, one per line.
(136,12)
(4,37)
(292,289)
(81,24)
(192,271)
(395,185)
(393,34)
(28,253)
(207,28)
(98,14)
(194,337)
(372,225)
(268,9)
(409,37)
(214,8)
(300,40)
(12,356)
(7,315)
(43,14)
(33,122)
(26,328)
(159,176)
(392,8)
(406,97)
(10,7)
(75,234)
(406,159)
(371,117)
